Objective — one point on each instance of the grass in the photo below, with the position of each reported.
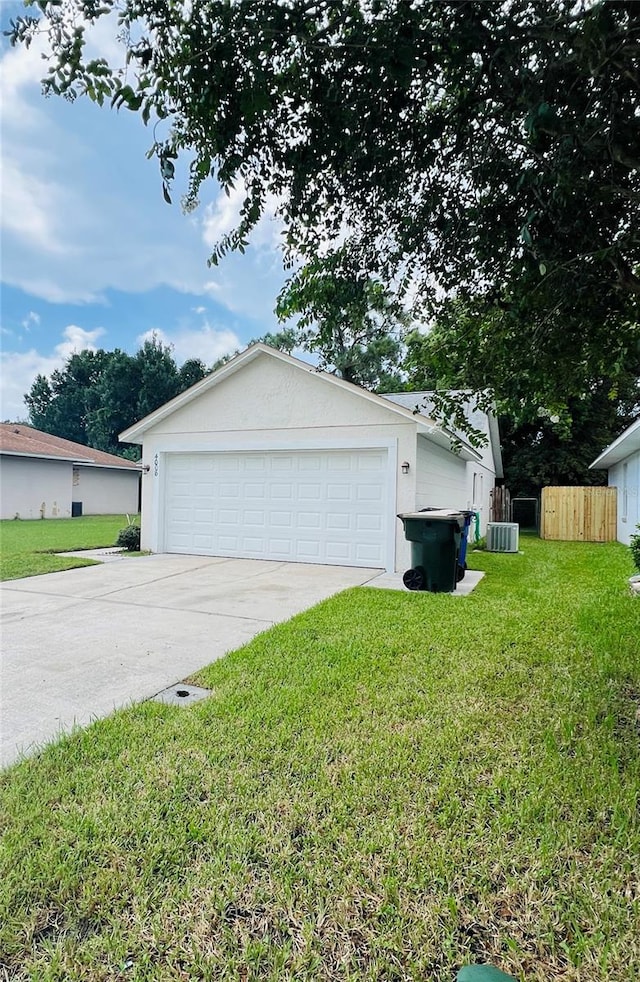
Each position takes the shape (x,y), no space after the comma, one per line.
(384,788)
(28,548)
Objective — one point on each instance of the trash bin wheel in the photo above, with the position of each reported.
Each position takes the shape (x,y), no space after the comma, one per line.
(414,579)
(461,569)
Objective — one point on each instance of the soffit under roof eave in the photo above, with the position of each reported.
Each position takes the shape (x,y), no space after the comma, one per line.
(45,456)
(626,444)
(445,440)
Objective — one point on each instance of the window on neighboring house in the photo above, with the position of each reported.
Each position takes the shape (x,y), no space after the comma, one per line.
(76,476)
(625,491)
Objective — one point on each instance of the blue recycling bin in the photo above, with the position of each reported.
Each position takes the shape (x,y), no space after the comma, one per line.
(464,541)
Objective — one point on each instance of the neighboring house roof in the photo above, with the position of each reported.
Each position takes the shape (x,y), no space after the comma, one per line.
(18,440)
(486,422)
(427,426)
(626,444)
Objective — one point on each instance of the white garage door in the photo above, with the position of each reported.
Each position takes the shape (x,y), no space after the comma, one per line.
(302,506)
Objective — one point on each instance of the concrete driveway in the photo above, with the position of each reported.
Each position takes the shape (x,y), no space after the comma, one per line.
(78,644)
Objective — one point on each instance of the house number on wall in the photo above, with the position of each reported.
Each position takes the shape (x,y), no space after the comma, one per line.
(155,465)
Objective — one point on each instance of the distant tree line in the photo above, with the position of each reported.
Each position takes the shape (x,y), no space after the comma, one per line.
(97,394)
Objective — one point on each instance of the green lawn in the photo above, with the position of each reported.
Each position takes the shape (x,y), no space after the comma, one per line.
(386,787)
(28,548)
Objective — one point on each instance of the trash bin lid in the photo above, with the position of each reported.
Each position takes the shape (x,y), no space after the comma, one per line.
(440,514)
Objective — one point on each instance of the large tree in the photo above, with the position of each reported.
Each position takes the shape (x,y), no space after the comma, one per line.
(465,147)
(97,394)
(542,444)
(62,404)
(347,319)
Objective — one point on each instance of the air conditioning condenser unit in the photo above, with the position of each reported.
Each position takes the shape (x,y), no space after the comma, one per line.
(502,536)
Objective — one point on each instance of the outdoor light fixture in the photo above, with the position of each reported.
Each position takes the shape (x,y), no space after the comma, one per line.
(405,466)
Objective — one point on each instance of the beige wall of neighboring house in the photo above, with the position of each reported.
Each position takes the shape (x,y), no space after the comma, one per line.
(106,492)
(43,476)
(33,488)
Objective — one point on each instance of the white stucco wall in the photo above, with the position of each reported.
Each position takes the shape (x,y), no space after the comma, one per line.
(441,480)
(627,480)
(480,483)
(33,488)
(106,491)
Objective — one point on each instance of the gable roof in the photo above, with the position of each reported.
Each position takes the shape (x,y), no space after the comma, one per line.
(626,444)
(438,434)
(486,422)
(18,440)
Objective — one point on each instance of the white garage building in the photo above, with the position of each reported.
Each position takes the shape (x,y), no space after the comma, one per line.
(267,458)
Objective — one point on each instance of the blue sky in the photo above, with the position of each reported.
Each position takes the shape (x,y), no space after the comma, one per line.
(91,254)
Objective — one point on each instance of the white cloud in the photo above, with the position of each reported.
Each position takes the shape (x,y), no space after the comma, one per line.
(222,216)
(207,343)
(31,208)
(32,319)
(82,208)
(19,369)
(77,339)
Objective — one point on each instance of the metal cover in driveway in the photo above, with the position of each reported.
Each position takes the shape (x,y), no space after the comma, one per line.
(182,694)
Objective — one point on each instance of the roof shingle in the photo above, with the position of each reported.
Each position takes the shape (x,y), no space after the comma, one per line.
(16,438)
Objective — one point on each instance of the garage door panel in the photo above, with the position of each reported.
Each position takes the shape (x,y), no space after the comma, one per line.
(371,462)
(369,523)
(339,492)
(226,516)
(253,490)
(202,515)
(280,548)
(282,518)
(340,463)
(340,516)
(228,490)
(250,516)
(369,492)
(308,520)
(282,492)
(308,551)
(338,521)
(309,492)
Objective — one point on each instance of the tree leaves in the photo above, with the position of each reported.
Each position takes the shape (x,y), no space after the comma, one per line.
(97,394)
(472,149)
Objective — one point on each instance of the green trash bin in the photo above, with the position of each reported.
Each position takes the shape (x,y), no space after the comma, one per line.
(435,543)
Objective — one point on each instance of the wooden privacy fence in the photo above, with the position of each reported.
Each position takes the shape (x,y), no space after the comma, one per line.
(579,514)
(500,509)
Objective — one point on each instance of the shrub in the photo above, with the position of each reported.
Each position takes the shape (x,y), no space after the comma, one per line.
(129,538)
(635,548)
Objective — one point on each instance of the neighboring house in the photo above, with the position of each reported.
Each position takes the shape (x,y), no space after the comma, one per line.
(43,476)
(267,458)
(482,473)
(621,460)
